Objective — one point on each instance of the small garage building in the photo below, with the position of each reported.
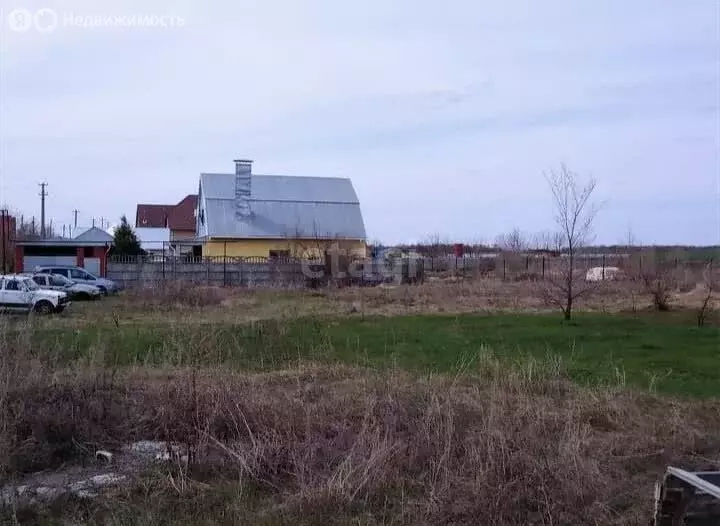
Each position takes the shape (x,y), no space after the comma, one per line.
(89,250)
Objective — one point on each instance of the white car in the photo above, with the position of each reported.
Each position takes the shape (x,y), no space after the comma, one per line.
(21,293)
(76,291)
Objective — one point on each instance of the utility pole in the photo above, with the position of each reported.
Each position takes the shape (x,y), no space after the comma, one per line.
(43,195)
(75,213)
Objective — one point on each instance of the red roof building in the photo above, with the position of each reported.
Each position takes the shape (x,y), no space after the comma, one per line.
(179,218)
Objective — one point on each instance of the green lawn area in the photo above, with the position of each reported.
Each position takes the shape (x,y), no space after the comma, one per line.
(663,351)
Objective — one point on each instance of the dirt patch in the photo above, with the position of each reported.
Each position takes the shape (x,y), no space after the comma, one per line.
(695,297)
(89,476)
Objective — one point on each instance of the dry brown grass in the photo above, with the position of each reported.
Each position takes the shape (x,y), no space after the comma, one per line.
(508,446)
(191,304)
(173,295)
(457,295)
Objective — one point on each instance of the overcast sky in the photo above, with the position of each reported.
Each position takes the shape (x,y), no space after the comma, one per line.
(444,114)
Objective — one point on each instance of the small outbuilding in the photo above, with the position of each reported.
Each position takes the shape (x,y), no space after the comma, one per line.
(88,250)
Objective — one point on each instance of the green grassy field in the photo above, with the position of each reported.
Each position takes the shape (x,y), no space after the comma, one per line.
(664,352)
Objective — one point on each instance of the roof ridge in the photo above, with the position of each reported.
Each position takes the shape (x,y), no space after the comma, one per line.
(310,201)
(281,175)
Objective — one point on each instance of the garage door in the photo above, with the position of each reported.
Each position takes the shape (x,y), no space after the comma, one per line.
(30,262)
(92,265)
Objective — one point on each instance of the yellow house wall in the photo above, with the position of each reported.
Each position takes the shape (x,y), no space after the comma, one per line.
(262,247)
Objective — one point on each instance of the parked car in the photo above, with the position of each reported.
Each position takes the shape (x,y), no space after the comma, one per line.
(76,291)
(21,293)
(80,275)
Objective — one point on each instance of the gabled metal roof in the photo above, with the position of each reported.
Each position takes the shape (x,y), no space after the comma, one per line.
(94,235)
(283,207)
(283,188)
(286,219)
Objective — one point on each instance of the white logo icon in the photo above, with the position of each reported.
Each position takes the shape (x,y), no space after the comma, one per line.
(45,20)
(20,20)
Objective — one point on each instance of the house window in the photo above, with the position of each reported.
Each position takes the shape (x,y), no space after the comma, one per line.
(279,254)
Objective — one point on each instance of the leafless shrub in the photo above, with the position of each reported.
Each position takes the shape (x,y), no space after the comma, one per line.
(513,241)
(659,284)
(659,279)
(548,241)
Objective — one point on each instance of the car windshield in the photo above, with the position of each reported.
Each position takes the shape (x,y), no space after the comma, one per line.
(30,284)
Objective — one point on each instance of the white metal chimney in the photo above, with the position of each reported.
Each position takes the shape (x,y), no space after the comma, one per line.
(243,188)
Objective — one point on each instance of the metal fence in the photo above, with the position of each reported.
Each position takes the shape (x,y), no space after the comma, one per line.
(258,271)
(525,266)
(284,272)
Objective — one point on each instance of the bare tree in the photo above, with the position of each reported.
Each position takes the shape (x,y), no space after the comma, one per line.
(30,230)
(711,286)
(574,216)
(548,241)
(434,246)
(631,240)
(513,241)
(632,249)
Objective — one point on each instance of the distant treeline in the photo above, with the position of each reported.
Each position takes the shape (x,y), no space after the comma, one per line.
(680,252)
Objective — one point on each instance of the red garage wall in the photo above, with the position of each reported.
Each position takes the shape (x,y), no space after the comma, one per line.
(19,253)
(81,253)
(7,242)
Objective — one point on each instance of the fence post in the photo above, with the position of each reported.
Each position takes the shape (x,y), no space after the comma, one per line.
(163,261)
(603,267)
(543,267)
(225,264)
